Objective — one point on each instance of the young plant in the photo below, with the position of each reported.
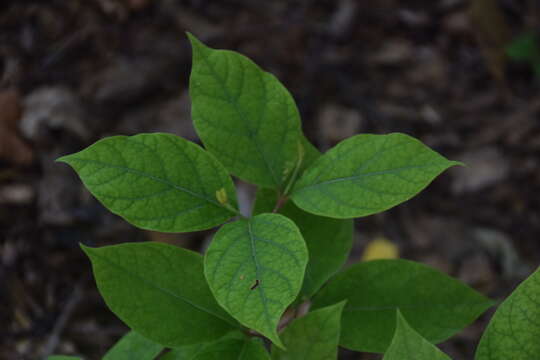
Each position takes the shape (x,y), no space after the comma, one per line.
(272,279)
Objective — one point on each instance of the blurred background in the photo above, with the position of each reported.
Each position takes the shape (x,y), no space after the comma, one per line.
(461,75)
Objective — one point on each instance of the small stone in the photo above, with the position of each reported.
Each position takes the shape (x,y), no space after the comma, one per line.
(393,52)
(16,194)
(485,167)
(53,107)
(430,115)
(337,123)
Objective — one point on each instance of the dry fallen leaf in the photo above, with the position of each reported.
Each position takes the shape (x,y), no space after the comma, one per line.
(493,34)
(380,248)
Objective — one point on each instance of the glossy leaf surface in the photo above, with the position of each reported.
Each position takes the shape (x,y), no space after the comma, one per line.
(314,336)
(244,116)
(156,181)
(255,268)
(514,331)
(434,304)
(159,291)
(408,344)
(367,174)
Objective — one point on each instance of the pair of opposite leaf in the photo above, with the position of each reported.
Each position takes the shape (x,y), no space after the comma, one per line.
(251,128)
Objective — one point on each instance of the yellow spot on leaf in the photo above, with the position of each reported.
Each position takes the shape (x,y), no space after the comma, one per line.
(221,196)
(380,248)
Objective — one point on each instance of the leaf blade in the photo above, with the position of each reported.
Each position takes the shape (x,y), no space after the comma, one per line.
(133,346)
(139,179)
(367,174)
(255,132)
(408,344)
(436,305)
(329,241)
(314,336)
(513,332)
(136,276)
(228,348)
(255,269)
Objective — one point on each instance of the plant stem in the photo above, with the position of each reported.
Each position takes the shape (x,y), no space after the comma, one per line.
(282,200)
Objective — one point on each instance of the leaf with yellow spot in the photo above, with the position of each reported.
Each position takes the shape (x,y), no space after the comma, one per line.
(221,196)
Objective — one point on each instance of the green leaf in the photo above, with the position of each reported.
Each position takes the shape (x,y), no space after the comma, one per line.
(434,304)
(244,116)
(367,174)
(228,348)
(159,291)
(133,346)
(314,336)
(514,331)
(187,352)
(156,181)
(255,268)
(63,357)
(525,47)
(408,344)
(328,240)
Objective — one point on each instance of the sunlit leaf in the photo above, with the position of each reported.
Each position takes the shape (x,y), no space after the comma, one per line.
(255,268)
(367,174)
(244,116)
(156,181)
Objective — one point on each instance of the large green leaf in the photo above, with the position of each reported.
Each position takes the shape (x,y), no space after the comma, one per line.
(255,268)
(367,174)
(63,357)
(244,116)
(156,181)
(408,344)
(328,240)
(186,352)
(133,346)
(514,331)
(159,291)
(228,348)
(434,304)
(314,336)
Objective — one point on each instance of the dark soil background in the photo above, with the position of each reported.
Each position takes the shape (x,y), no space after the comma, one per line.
(72,72)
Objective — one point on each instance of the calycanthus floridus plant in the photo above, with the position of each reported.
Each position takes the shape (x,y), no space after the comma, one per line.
(270,286)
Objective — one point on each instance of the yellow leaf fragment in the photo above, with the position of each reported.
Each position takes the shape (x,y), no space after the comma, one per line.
(221,196)
(380,248)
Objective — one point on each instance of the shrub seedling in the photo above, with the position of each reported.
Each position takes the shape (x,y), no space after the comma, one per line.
(252,289)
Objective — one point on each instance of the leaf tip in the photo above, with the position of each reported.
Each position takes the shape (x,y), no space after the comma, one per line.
(195,43)
(399,316)
(277,341)
(87,249)
(457,163)
(63,159)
